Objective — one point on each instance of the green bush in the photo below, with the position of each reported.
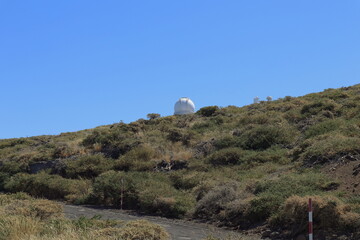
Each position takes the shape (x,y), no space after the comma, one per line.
(113,141)
(335,94)
(43,185)
(261,137)
(274,154)
(109,186)
(208,111)
(215,201)
(12,167)
(271,194)
(202,127)
(149,193)
(88,166)
(269,117)
(138,159)
(152,116)
(185,179)
(329,214)
(180,135)
(7,169)
(319,106)
(4,177)
(158,196)
(226,142)
(262,207)
(322,128)
(325,148)
(227,156)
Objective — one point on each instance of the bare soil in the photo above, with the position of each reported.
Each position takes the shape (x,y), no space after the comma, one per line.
(347,173)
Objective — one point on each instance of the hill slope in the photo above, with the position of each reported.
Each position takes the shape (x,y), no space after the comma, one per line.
(238,167)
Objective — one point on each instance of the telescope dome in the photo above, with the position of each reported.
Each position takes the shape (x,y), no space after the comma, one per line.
(184,106)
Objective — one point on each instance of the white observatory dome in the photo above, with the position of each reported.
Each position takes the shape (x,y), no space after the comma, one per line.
(184,106)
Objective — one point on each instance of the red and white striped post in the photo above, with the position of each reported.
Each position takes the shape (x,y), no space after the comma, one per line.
(310,220)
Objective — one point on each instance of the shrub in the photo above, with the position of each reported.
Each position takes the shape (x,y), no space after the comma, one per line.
(157,196)
(179,135)
(264,136)
(42,219)
(40,208)
(143,230)
(174,135)
(322,128)
(12,167)
(269,117)
(262,207)
(152,116)
(335,94)
(186,180)
(329,214)
(43,185)
(236,213)
(88,166)
(215,201)
(109,186)
(271,194)
(202,127)
(138,159)
(227,156)
(112,142)
(208,111)
(226,142)
(316,107)
(143,191)
(4,177)
(275,155)
(325,148)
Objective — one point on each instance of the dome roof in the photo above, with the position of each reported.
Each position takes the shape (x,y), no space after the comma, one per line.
(184,106)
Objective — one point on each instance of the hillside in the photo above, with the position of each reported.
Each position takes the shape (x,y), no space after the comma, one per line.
(251,168)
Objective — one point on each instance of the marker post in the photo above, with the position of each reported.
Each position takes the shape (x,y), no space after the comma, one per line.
(310,220)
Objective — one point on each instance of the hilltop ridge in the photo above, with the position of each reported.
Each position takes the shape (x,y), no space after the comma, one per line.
(241,167)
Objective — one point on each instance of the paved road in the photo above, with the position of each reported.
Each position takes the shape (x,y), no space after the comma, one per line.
(178,229)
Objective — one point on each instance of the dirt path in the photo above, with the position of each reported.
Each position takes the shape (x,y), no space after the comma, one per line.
(178,229)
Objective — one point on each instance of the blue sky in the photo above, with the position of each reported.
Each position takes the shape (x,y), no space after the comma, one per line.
(72,65)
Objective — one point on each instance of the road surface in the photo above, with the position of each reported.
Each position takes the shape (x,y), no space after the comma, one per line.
(178,229)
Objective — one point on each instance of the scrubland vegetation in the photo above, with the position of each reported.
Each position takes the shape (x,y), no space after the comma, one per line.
(239,167)
(23,217)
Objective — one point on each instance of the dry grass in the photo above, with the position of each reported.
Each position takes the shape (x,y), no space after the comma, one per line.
(143,230)
(24,218)
(329,214)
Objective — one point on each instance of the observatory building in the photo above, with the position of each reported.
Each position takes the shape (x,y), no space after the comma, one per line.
(184,106)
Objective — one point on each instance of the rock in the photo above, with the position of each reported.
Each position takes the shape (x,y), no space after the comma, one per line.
(56,166)
(204,148)
(173,165)
(178,164)
(39,166)
(59,167)
(356,170)
(266,233)
(331,186)
(274,234)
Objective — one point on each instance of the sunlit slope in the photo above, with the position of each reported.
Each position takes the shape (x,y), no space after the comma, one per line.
(235,166)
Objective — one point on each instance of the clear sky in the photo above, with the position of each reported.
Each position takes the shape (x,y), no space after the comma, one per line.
(76,64)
